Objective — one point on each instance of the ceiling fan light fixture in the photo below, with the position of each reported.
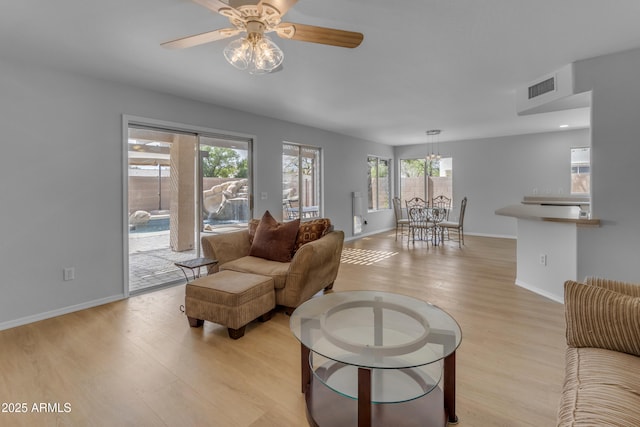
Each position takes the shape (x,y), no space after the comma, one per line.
(239,53)
(267,56)
(256,53)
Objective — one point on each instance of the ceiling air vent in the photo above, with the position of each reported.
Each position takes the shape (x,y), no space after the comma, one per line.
(552,92)
(543,87)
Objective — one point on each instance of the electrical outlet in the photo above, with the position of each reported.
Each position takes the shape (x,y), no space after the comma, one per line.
(542,259)
(69,273)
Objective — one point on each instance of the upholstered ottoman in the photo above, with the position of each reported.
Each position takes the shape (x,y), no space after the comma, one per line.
(231,299)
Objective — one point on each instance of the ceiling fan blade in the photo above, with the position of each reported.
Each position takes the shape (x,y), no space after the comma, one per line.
(202,38)
(282,6)
(220,7)
(322,35)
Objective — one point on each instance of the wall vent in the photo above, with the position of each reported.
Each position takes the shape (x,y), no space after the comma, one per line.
(552,92)
(543,87)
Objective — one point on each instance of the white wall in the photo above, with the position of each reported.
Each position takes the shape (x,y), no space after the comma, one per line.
(613,250)
(65,130)
(496,172)
(557,241)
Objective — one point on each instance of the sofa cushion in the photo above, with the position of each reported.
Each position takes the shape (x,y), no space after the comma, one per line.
(274,240)
(250,264)
(312,230)
(599,317)
(599,389)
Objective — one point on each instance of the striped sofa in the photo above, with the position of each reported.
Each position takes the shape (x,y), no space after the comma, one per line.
(602,381)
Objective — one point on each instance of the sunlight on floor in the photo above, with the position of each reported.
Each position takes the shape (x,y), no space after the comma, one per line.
(364,256)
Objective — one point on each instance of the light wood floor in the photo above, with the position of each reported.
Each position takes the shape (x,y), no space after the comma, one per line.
(137,362)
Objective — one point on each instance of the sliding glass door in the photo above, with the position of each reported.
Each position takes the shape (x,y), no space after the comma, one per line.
(180,184)
(224,182)
(301,182)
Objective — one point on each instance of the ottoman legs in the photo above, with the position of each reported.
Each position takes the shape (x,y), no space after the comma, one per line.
(233,333)
(195,323)
(236,333)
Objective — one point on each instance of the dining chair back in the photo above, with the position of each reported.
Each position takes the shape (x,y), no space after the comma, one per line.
(416,202)
(442,201)
(400,221)
(420,223)
(457,226)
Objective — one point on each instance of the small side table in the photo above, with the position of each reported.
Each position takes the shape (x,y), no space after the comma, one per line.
(194,265)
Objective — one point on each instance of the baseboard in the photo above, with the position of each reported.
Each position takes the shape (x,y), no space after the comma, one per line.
(59,312)
(495,236)
(373,233)
(546,294)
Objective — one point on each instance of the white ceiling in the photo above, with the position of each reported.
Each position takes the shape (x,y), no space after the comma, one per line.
(423,64)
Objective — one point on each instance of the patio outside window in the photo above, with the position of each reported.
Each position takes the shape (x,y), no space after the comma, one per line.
(301,182)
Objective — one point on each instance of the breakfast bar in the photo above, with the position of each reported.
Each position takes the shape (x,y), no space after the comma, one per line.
(547,244)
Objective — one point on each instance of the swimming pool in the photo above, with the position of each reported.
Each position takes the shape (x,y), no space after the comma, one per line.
(162,224)
(154,224)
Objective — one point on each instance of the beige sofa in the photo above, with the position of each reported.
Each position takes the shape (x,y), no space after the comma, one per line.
(602,382)
(314,265)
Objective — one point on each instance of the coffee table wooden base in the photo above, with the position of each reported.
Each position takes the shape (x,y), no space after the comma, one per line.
(326,408)
(427,411)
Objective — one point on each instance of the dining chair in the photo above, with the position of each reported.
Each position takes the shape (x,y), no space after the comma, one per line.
(400,221)
(457,226)
(420,223)
(441,201)
(416,202)
(293,209)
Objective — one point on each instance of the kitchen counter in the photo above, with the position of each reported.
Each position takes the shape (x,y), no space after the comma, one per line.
(534,212)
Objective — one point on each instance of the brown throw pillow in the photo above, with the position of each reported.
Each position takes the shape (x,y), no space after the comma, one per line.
(274,240)
(598,317)
(312,230)
(253,226)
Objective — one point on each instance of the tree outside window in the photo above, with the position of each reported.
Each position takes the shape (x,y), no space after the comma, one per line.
(222,162)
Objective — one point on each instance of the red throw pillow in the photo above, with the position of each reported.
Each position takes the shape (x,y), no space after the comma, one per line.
(274,240)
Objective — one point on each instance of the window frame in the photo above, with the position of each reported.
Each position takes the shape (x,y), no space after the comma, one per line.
(371,206)
(316,180)
(579,165)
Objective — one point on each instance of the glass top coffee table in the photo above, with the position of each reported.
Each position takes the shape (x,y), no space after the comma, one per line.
(374,358)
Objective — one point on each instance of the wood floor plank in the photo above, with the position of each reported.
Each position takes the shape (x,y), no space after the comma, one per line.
(137,362)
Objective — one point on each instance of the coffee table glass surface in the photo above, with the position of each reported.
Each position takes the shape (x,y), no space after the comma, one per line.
(403,340)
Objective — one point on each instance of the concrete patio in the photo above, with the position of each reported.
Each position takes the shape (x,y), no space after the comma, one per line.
(151,259)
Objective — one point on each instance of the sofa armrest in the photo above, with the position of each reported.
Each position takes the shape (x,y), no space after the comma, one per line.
(601,318)
(313,267)
(225,247)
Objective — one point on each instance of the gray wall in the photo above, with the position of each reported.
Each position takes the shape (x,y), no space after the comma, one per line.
(67,128)
(496,172)
(612,250)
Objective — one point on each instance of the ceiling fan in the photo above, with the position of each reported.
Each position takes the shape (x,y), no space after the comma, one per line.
(255,51)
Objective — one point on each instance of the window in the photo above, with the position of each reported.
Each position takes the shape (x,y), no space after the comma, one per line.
(426,179)
(379,183)
(581,170)
(301,181)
